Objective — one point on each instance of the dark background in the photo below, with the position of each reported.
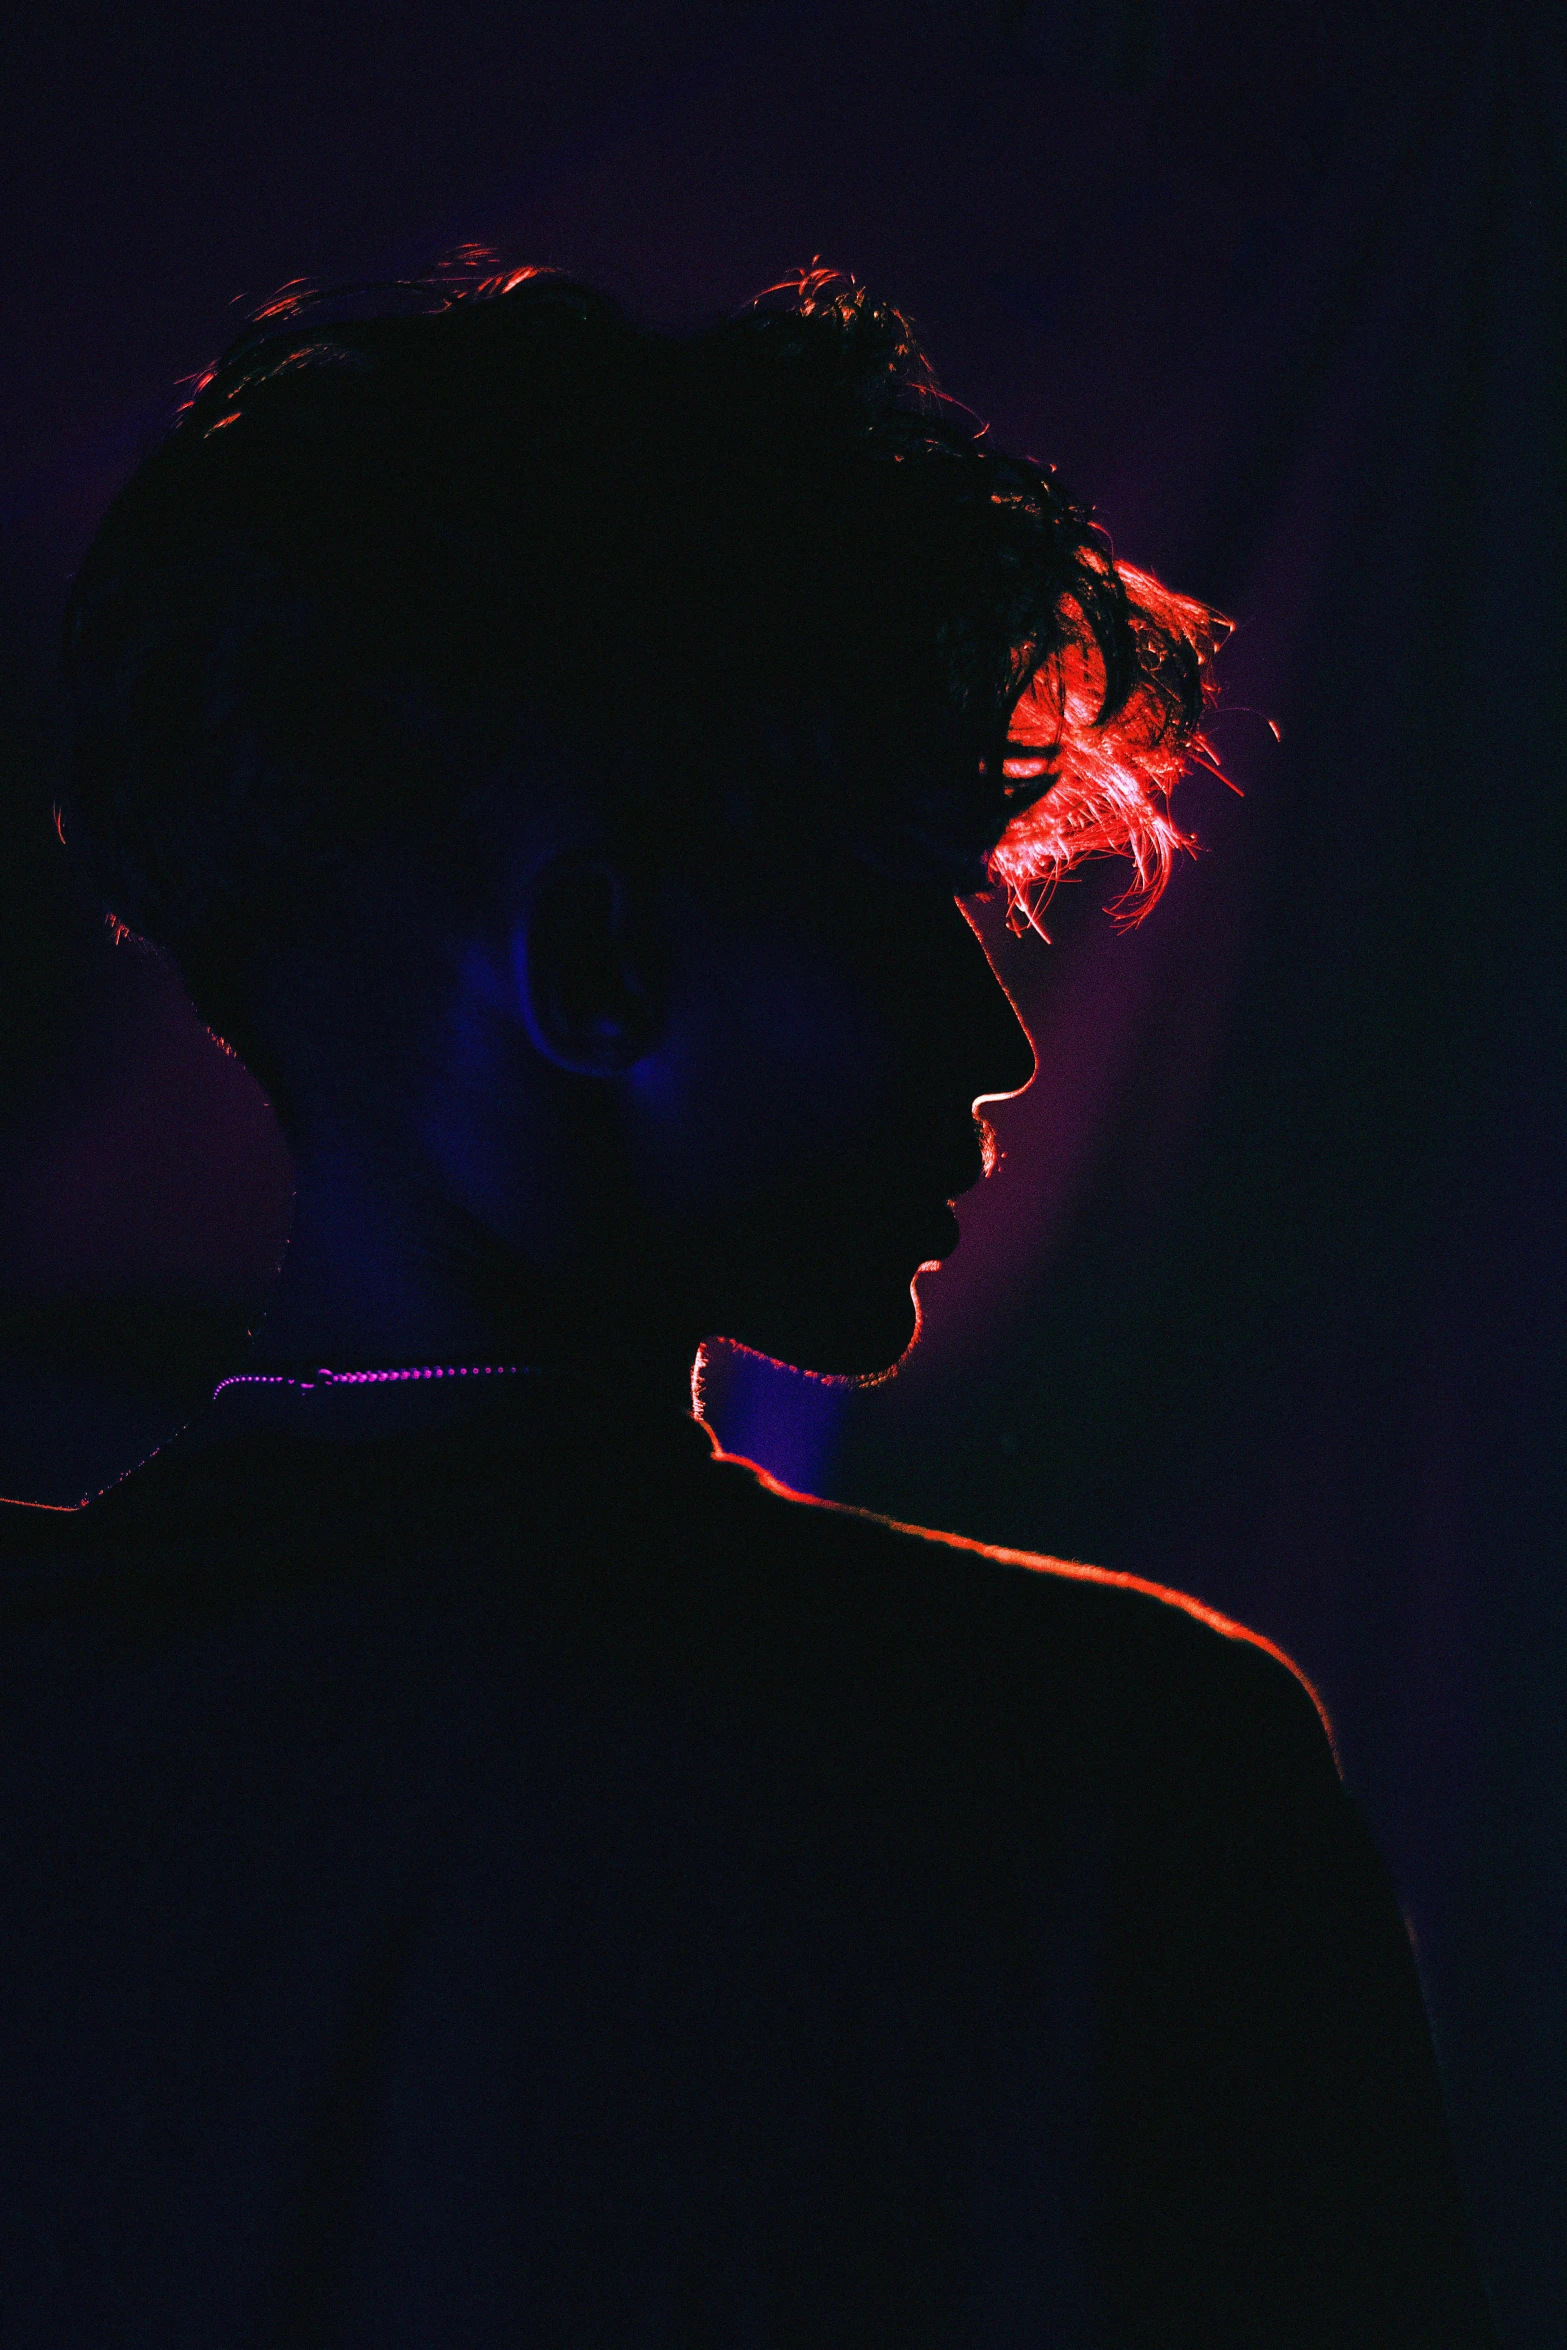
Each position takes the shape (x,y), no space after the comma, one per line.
(1266,1298)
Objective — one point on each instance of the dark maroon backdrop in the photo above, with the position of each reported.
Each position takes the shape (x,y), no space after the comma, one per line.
(1266,1297)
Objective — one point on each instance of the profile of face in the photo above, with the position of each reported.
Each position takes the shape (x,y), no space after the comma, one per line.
(576,850)
(753,1093)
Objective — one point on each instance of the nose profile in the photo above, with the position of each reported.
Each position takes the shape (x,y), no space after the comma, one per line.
(998,1048)
(1014,1051)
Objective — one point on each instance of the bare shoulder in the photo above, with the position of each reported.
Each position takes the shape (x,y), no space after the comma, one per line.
(1116,1640)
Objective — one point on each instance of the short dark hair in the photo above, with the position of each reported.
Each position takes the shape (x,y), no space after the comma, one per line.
(392,525)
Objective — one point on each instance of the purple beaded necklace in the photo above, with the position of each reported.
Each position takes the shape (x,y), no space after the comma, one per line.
(304,1382)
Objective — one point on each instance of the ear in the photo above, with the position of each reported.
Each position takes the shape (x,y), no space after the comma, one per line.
(585,970)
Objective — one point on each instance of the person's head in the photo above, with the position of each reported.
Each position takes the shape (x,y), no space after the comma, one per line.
(554,748)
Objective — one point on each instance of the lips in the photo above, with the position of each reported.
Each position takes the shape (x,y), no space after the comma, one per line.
(961,1174)
(938,1233)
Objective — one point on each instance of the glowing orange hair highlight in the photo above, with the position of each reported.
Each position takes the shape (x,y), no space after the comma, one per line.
(1112,775)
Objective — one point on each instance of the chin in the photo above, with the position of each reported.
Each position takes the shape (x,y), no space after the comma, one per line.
(859,1339)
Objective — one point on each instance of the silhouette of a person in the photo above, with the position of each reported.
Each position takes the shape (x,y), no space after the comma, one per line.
(481,1868)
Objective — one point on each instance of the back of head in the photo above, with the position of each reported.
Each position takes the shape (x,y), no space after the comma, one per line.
(391,540)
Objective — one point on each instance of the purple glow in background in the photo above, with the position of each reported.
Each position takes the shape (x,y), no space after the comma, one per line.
(1265,1297)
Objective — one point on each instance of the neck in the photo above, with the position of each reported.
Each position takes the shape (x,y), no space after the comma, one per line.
(381,1272)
